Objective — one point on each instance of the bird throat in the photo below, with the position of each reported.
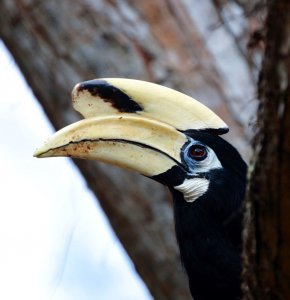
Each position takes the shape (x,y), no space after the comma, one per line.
(193,188)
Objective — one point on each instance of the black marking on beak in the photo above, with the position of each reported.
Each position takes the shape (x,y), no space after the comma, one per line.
(180,166)
(216,131)
(109,93)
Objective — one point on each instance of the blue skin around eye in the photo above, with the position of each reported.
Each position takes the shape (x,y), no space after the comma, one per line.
(190,162)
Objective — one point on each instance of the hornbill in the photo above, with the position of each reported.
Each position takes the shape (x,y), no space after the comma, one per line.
(173,139)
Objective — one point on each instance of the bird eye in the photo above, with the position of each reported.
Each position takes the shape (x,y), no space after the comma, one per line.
(197,152)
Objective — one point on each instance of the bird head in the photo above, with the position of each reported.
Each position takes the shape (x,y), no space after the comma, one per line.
(173,139)
(151,129)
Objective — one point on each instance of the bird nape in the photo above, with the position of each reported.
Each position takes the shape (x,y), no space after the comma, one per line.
(173,139)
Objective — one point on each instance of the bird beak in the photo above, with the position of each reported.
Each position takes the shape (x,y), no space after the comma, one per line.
(113,96)
(131,142)
(132,124)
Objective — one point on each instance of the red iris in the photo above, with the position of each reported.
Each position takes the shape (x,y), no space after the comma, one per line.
(197,152)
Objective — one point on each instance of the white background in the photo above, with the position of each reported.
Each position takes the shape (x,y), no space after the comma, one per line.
(55,241)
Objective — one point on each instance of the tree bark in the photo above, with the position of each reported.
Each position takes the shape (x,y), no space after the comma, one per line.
(188,45)
(267,227)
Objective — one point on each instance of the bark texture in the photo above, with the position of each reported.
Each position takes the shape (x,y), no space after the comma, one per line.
(197,47)
(267,232)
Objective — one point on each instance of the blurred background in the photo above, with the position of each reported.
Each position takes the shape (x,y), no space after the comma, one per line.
(56,242)
(83,230)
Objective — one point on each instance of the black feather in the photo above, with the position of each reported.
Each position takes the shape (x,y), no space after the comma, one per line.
(209,229)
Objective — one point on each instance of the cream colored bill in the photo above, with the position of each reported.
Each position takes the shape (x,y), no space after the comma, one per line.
(112,96)
(131,142)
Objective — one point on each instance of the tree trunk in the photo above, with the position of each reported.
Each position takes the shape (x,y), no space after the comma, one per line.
(267,231)
(193,46)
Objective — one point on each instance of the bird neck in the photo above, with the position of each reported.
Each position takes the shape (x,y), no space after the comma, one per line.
(208,232)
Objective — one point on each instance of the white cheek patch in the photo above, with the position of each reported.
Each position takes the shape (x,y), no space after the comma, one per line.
(193,188)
